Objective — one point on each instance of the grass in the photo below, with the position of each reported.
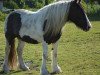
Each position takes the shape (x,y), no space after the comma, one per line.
(78,52)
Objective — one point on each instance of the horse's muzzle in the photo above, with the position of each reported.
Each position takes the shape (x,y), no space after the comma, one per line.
(88,28)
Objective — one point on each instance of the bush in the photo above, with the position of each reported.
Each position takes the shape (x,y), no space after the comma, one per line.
(39,5)
(2,16)
(11,5)
(84,5)
(20,3)
(90,8)
(99,1)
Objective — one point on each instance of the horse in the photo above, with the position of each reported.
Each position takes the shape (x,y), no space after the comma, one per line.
(42,26)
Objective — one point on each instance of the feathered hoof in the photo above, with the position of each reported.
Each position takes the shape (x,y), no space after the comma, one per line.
(24,68)
(45,72)
(6,69)
(57,70)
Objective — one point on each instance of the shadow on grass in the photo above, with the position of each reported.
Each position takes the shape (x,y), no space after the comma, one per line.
(12,72)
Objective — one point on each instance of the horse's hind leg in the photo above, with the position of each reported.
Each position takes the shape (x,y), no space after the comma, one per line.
(10,54)
(20,51)
(55,67)
(7,51)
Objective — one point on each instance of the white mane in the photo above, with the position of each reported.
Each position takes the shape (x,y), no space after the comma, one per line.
(56,16)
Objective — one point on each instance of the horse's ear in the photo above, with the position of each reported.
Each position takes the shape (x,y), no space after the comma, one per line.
(75,1)
(79,1)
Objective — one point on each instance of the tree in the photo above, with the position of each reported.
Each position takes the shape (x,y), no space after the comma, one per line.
(20,3)
(48,1)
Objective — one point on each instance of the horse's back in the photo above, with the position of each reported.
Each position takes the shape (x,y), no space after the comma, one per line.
(13,21)
(21,24)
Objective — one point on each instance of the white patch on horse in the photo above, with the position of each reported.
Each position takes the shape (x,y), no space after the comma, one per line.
(30,27)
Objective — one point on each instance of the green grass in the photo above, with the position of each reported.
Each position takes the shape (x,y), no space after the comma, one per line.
(78,52)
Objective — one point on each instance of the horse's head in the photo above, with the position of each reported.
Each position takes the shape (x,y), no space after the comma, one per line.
(78,16)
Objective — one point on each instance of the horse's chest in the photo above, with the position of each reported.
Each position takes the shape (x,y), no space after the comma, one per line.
(50,38)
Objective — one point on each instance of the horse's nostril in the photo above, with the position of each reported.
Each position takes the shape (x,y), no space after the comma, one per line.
(89,27)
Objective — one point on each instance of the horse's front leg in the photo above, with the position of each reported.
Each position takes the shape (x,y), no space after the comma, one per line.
(20,51)
(44,70)
(54,65)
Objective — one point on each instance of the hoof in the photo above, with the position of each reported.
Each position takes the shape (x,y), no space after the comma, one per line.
(24,68)
(56,70)
(6,69)
(44,72)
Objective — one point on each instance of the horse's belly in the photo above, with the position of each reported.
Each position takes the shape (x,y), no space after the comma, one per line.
(28,39)
(30,35)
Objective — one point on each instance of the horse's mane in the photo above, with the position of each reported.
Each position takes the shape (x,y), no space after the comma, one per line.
(55,15)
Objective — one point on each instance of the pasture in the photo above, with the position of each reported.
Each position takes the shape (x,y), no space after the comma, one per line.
(78,52)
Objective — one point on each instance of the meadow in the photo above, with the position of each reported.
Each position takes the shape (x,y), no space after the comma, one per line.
(78,52)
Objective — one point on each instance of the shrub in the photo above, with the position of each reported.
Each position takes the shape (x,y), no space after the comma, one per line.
(11,5)
(39,5)
(84,5)
(2,16)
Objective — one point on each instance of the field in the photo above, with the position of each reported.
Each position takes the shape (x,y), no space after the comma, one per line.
(78,52)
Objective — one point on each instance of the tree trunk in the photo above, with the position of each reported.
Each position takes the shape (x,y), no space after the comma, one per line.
(1,5)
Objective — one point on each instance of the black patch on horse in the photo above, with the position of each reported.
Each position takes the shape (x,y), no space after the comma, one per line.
(13,26)
(29,40)
(44,25)
(49,37)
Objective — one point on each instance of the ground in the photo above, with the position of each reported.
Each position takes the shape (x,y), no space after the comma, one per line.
(78,52)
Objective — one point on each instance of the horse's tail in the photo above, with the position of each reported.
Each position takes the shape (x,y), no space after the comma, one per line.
(12,58)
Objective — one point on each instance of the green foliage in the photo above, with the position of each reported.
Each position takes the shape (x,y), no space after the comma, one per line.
(20,3)
(2,16)
(98,1)
(39,5)
(92,1)
(84,5)
(11,5)
(14,4)
(34,3)
(91,8)
(48,1)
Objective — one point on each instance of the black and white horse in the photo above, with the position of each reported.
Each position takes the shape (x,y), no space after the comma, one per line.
(43,26)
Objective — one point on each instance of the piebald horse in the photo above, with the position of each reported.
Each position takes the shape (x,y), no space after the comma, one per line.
(43,26)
